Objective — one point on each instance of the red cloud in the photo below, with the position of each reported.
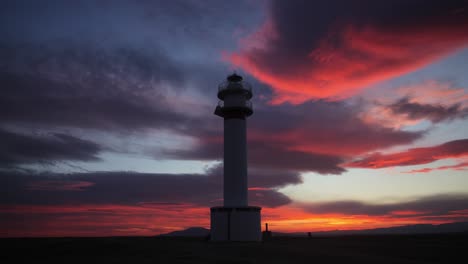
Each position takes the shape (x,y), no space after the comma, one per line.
(415,156)
(458,166)
(339,63)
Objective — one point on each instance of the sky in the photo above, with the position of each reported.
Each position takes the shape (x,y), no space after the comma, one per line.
(107,124)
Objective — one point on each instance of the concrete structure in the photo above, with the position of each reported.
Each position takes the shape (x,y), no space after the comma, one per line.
(236,220)
(267,233)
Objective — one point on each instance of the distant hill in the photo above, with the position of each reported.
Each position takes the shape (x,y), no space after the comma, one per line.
(458,227)
(189,232)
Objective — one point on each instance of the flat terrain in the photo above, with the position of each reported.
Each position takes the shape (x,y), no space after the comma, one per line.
(348,249)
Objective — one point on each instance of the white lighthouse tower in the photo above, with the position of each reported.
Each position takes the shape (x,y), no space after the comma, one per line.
(236,220)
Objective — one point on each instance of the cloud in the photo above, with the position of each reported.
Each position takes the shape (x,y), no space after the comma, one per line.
(355,215)
(130,188)
(265,156)
(315,136)
(415,156)
(86,88)
(330,128)
(317,141)
(126,65)
(407,105)
(148,218)
(433,92)
(118,85)
(307,50)
(59,185)
(134,43)
(261,179)
(418,111)
(99,219)
(459,166)
(425,206)
(121,203)
(49,148)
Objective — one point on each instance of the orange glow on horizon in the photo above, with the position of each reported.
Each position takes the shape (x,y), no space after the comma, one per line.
(295,220)
(144,220)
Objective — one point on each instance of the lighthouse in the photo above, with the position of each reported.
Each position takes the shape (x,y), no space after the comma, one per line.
(236,220)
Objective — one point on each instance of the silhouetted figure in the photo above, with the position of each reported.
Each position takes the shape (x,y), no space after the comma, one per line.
(309,235)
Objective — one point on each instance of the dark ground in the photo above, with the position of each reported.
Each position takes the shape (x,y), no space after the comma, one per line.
(449,248)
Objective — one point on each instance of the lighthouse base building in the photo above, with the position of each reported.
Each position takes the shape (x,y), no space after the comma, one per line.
(236,223)
(236,220)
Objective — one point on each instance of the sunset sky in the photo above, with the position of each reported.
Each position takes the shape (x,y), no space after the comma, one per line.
(107,124)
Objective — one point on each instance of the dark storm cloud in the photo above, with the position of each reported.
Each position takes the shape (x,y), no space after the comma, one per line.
(152,34)
(430,205)
(132,188)
(333,49)
(86,63)
(435,113)
(265,178)
(37,100)
(109,65)
(263,155)
(87,86)
(317,18)
(203,22)
(22,149)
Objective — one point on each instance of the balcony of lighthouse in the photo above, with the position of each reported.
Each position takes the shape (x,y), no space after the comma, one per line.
(227,107)
(234,86)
